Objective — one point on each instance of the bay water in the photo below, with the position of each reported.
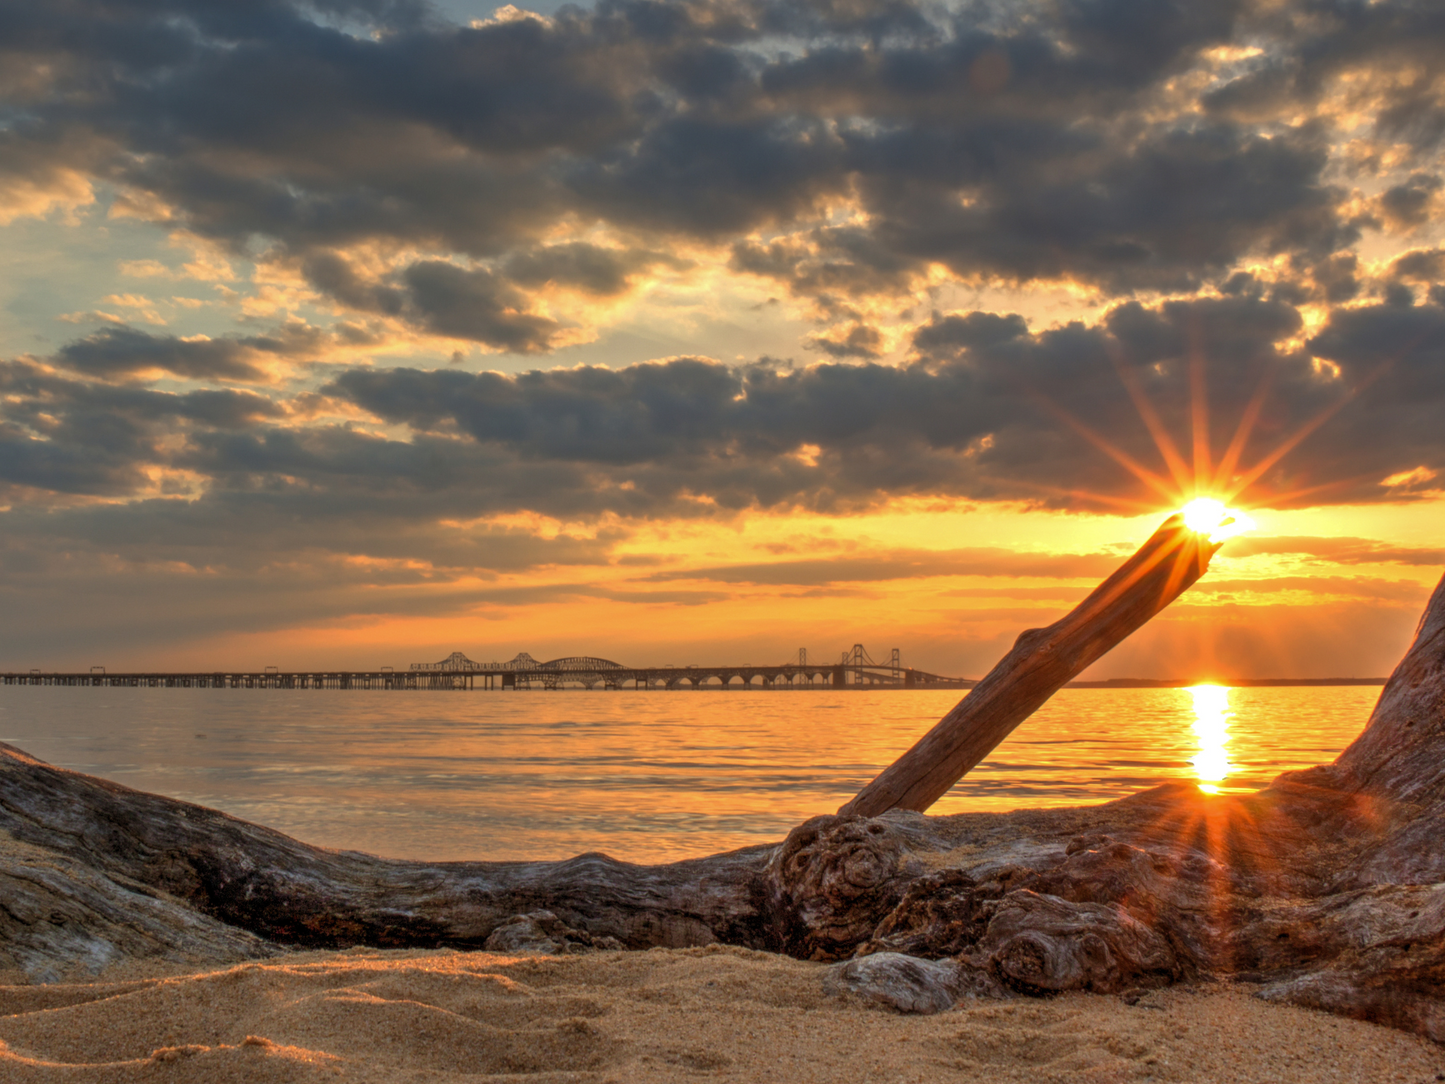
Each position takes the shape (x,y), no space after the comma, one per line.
(644,776)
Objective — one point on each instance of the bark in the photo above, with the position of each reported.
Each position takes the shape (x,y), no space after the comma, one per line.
(61,918)
(287,892)
(1323,889)
(1041,663)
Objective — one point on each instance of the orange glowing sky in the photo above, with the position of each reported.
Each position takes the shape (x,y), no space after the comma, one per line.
(756,589)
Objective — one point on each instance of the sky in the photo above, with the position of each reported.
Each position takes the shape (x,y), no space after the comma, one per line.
(355,332)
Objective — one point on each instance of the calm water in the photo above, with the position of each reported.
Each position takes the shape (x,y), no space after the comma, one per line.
(645,776)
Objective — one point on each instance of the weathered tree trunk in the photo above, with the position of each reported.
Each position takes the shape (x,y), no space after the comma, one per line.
(1324,889)
(1041,663)
(287,892)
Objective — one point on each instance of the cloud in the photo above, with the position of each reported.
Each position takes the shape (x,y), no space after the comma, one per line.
(900,564)
(1080,143)
(977,415)
(78,438)
(122,353)
(45,172)
(1336,550)
(496,308)
(1338,57)
(948,335)
(859,341)
(1420,265)
(1312,590)
(94,316)
(1408,205)
(1396,352)
(986,410)
(476,305)
(591,269)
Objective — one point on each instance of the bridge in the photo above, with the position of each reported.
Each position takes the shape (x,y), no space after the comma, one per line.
(855,669)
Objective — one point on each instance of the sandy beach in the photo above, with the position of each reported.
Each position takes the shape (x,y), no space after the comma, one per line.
(661,1015)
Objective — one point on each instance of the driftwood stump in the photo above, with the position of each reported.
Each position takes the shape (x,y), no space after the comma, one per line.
(1325,889)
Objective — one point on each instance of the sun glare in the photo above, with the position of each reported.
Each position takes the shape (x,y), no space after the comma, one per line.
(1225,478)
(1211,731)
(1206,515)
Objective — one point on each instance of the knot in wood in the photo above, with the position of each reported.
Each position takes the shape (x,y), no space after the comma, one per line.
(1025,960)
(842,857)
(832,881)
(1039,943)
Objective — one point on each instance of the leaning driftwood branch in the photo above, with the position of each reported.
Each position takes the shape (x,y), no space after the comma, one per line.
(1323,889)
(1042,662)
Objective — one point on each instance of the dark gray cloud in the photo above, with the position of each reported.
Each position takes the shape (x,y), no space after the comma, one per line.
(1421,265)
(1166,214)
(1051,141)
(121,352)
(987,410)
(80,438)
(476,305)
(859,341)
(481,304)
(1408,204)
(1326,43)
(1399,349)
(946,335)
(585,267)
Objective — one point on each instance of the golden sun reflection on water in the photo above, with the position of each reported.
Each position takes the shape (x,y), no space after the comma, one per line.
(1211,731)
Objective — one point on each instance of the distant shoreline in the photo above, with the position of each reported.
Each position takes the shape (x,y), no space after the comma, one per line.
(219,680)
(1233,683)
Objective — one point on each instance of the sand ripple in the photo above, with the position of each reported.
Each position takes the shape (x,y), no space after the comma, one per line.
(665,1015)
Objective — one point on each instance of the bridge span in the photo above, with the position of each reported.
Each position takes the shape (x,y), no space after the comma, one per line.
(855,670)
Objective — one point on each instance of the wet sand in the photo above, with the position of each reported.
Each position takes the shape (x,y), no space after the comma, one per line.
(663,1015)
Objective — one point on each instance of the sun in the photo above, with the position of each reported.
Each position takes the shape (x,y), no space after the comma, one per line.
(1209,516)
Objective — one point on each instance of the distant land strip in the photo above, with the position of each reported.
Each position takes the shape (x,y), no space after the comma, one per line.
(1233,683)
(832,676)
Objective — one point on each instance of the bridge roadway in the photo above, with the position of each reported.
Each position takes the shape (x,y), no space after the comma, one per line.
(622,677)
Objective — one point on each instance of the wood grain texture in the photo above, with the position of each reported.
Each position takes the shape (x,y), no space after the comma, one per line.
(1041,663)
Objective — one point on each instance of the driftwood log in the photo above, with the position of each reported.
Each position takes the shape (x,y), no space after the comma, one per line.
(1326,889)
(1040,664)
